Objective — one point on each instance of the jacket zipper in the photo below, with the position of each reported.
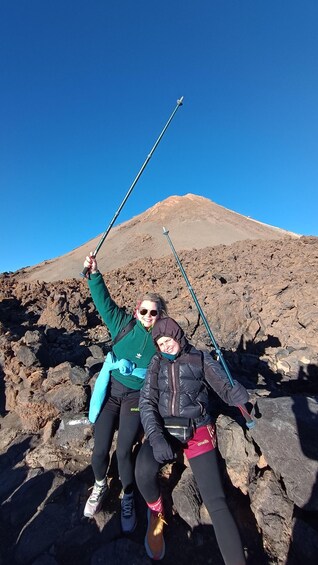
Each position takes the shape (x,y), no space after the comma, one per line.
(142,348)
(174,390)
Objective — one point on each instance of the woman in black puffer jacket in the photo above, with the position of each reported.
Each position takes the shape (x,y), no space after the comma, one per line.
(174,413)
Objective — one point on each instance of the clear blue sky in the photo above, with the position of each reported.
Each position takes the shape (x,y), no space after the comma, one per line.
(87,86)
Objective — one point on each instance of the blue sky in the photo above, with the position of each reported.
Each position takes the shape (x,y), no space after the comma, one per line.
(87,86)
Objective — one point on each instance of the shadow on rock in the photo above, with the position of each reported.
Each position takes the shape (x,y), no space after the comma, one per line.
(55,528)
(240,507)
(304,539)
(254,372)
(2,394)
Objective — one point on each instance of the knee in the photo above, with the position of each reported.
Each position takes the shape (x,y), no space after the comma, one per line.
(215,503)
(144,475)
(123,453)
(140,467)
(100,452)
(146,466)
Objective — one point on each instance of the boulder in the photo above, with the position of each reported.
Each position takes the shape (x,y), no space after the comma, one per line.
(286,434)
(273,512)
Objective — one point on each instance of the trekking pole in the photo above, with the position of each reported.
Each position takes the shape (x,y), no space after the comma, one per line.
(105,234)
(249,421)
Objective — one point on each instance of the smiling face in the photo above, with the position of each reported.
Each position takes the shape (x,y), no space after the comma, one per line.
(147,313)
(168,345)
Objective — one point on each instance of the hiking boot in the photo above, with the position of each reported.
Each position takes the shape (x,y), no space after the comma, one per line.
(95,501)
(154,540)
(128,514)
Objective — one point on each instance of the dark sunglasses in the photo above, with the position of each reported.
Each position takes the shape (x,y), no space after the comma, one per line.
(143,312)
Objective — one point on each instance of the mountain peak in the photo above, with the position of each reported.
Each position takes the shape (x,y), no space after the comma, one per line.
(193,221)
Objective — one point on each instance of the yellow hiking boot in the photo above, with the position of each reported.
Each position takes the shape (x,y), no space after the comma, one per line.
(154,540)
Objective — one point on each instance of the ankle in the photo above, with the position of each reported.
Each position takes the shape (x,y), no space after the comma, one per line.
(157,506)
(101,483)
(128,490)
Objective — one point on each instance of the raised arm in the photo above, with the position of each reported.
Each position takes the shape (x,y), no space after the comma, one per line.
(114,317)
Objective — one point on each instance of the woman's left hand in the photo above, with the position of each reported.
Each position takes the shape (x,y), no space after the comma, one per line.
(162,450)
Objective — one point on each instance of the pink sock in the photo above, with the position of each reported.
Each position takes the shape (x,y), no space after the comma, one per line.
(157,506)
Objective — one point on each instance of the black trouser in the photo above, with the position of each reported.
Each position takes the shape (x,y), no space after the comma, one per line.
(206,472)
(122,412)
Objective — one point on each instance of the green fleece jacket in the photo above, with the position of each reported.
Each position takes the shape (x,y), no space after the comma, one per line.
(137,345)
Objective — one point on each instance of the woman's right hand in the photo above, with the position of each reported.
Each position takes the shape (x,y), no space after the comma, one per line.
(90,264)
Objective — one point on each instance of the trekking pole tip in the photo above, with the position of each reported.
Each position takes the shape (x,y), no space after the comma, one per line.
(180,101)
(165,232)
(248,419)
(250,424)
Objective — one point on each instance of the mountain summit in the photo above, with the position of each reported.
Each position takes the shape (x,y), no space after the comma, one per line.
(194,222)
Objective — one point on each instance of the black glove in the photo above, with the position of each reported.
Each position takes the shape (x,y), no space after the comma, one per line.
(238,395)
(162,450)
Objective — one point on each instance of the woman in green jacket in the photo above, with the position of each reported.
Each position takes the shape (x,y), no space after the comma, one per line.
(120,407)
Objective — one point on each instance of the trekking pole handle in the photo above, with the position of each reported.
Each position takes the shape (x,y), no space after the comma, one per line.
(105,234)
(85,271)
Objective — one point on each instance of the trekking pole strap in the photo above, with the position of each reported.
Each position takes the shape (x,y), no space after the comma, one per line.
(105,234)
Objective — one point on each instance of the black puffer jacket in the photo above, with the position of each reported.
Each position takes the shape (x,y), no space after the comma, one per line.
(180,387)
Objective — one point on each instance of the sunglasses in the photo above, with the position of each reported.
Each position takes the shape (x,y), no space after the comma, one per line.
(144,311)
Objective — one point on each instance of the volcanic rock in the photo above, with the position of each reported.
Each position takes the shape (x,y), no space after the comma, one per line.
(258,290)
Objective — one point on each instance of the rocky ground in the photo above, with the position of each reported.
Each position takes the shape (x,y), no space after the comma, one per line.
(260,298)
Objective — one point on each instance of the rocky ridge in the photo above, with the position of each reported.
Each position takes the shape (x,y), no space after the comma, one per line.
(260,297)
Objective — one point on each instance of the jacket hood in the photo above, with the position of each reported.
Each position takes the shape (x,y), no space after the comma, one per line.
(167,327)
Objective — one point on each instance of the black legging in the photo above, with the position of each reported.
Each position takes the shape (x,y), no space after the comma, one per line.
(121,411)
(206,472)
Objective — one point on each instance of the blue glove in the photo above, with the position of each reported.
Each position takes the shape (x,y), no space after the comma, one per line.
(162,450)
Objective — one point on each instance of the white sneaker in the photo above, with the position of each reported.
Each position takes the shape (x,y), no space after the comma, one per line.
(128,514)
(95,501)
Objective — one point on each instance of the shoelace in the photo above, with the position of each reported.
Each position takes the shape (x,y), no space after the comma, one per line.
(97,491)
(127,507)
(159,525)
